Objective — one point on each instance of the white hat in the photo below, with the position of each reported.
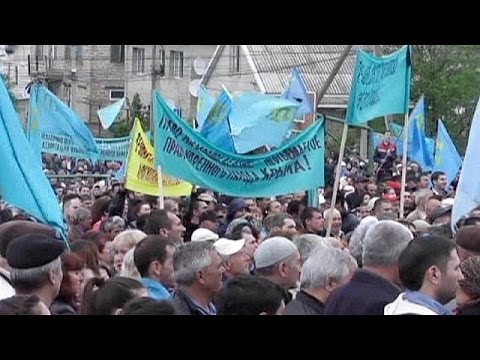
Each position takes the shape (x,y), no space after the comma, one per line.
(202,234)
(272,251)
(226,247)
(448,202)
(371,203)
(206,197)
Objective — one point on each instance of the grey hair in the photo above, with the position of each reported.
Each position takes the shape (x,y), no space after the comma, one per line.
(169,204)
(34,278)
(421,196)
(330,213)
(384,242)
(111,222)
(79,215)
(279,219)
(307,243)
(190,258)
(325,263)
(129,270)
(358,237)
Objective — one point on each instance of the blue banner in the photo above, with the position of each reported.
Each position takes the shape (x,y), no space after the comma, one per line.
(380,86)
(185,154)
(22,181)
(55,128)
(113,149)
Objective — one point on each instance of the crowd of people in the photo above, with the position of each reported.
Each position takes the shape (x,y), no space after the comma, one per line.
(212,254)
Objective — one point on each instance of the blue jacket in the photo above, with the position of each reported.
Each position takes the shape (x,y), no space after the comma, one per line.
(155,290)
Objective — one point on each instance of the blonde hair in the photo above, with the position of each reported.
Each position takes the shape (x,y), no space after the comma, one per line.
(128,238)
(129,269)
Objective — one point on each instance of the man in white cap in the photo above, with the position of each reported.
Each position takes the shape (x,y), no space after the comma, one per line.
(202,234)
(209,199)
(234,260)
(278,260)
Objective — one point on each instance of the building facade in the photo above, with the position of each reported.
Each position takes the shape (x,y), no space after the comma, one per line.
(85,77)
(173,70)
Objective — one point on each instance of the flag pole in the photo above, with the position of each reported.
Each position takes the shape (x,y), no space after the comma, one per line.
(404,167)
(337,176)
(161,200)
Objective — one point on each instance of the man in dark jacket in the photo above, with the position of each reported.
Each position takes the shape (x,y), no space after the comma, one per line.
(198,273)
(323,271)
(385,156)
(375,285)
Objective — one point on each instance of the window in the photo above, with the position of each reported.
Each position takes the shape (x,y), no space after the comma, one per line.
(161,60)
(176,64)
(117,54)
(52,52)
(234,59)
(67,92)
(78,53)
(138,60)
(68,52)
(117,94)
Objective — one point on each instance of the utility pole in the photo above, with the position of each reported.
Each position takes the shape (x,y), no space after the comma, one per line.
(125,67)
(73,89)
(334,72)
(154,84)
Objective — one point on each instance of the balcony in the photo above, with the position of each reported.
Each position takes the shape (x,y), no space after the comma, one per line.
(43,66)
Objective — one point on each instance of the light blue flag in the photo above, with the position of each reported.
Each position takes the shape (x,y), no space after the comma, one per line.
(417,146)
(22,181)
(109,114)
(380,86)
(204,105)
(120,175)
(183,153)
(55,128)
(447,158)
(467,196)
(216,128)
(258,119)
(396,130)
(296,90)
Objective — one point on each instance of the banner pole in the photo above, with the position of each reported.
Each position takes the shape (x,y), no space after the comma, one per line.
(404,167)
(161,200)
(337,176)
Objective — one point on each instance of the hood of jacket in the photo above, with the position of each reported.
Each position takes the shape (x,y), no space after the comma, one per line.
(401,306)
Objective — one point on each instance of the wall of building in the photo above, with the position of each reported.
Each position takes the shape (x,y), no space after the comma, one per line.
(176,90)
(244,80)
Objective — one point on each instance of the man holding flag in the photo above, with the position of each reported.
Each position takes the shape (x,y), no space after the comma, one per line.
(385,156)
